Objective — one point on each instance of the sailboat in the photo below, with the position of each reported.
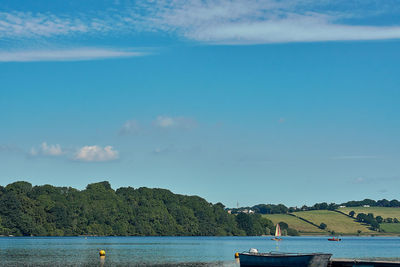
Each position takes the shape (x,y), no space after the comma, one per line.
(277,233)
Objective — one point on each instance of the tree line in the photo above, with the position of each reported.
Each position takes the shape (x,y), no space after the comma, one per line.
(47,210)
(372,203)
(371,220)
(282,209)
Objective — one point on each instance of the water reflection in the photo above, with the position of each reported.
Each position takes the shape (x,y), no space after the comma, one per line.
(178,251)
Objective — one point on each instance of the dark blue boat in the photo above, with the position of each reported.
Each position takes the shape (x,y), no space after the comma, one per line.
(277,259)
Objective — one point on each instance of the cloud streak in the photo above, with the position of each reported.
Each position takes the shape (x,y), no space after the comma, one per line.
(355,157)
(302,29)
(233,22)
(167,122)
(78,54)
(262,22)
(30,25)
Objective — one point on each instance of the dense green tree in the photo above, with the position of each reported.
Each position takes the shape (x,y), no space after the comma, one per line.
(379,219)
(361,217)
(394,203)
(383,203)
(283,225)
(320,206)
(99,210)
(374,225)
(253,224)
(270,209)
(292,232)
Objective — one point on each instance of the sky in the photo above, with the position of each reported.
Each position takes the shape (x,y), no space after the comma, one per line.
(239,102)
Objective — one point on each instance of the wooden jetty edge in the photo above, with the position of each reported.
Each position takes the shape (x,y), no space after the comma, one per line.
(362,263)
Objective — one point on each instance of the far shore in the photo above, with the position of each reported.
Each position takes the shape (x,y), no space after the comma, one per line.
(302,235)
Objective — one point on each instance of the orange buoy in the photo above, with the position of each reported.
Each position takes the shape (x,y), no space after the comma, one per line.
(236,255)
(102,252)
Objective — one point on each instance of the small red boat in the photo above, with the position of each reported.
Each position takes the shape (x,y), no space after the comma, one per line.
(334,239)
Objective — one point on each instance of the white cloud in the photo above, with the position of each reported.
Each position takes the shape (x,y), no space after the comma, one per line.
(303,29)
(216,21)
(96,154)
(28,25)
(174,122)
(261,22)
(77,54)
(47,150)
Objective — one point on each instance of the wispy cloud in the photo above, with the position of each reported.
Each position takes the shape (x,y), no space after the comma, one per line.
(299,29)
(78,54)
(234,22)
(130,127)
(34,25)
(261,22)
(161,122)
(9,148)
(359,180)
(162,150)
(376,180)
(96,154)
(355,157)
(166,122)
(47,150)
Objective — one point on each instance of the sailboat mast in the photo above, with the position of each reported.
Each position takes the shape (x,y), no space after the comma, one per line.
(277,230)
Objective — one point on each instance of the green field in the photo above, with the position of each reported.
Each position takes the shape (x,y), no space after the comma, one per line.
(295,223)
(335,221)
(377,211)
(391,227)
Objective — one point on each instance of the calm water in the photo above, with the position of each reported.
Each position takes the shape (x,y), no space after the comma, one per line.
(177,251)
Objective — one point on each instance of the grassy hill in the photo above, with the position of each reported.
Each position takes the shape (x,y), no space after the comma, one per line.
(307,222)
(377,211)
(335,221)
(301,226)
(391,227)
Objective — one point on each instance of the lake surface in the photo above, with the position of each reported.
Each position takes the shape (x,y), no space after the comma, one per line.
(178,251)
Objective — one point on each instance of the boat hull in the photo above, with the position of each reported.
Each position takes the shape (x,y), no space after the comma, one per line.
(283,260)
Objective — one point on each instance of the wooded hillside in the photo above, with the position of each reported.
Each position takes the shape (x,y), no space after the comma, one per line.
(99,210)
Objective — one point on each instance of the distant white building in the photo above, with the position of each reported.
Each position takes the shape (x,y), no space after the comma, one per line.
(366,206)
(251,211)
(342,206)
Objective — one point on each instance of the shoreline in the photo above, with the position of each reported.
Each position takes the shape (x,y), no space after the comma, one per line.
(269,236)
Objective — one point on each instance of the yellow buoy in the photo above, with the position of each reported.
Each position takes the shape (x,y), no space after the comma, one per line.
(102,252)
(236,255)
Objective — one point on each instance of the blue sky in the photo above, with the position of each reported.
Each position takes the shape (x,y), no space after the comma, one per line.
(291,102)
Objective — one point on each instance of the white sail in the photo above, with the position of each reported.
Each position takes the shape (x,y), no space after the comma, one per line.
(277,231)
